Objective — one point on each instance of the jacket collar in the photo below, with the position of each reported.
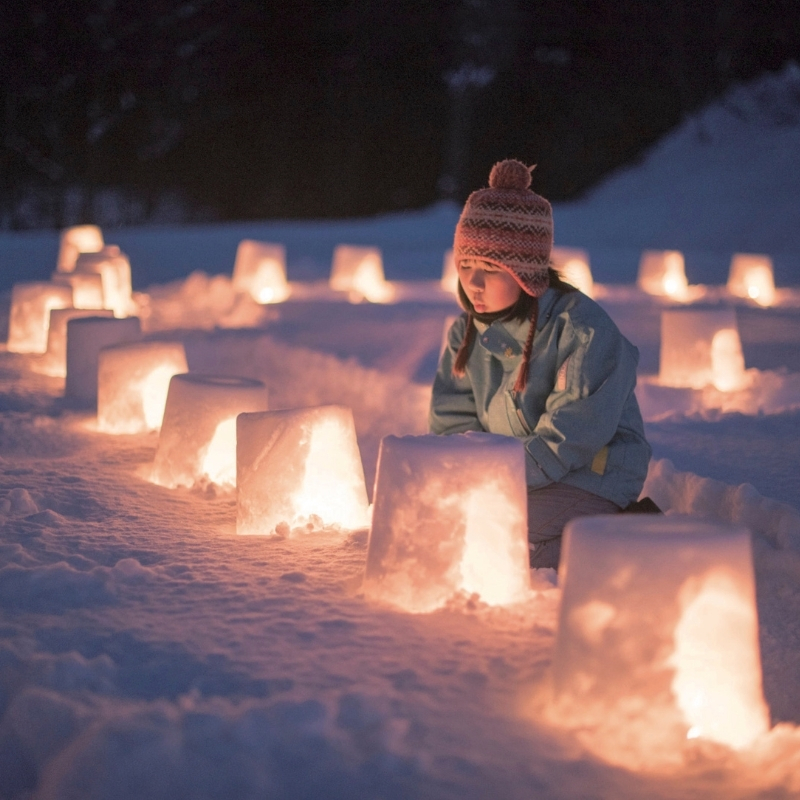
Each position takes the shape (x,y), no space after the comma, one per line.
(517,329)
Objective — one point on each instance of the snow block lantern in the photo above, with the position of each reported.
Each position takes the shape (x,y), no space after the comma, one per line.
(29,319)
(450,518)
(54,361)
(573,266)
(752,276)
(359,271)
(700,347)
(87,289)
(114,269)
(76,240)
(657,639)
(299,469)
(260,270)
(86,337)
(662,272)
(449,280)
(198,435)
(132,384)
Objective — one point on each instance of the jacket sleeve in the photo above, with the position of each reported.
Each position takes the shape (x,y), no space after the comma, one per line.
(453,407)
(583,411)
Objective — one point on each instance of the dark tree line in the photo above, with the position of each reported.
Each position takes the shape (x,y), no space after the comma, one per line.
(123,111)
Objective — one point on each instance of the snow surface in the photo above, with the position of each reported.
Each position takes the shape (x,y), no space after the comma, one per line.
(146,650)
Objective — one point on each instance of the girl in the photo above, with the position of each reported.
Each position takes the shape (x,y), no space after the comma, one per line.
(536,359)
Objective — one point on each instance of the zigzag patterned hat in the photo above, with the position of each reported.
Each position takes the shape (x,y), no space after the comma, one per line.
(508,225)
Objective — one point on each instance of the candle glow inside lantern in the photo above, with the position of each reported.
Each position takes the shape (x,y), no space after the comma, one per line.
(114,269)
(76,240)
(657,639)
(29,319)
(132,384)
(299,468)
(573,265)
(260,270)
(54,361)
(198,434)
(449,519)
(752,276)
(662,273)
(700,347)
(87,289)
(86,337)
(359,271)
(449,280)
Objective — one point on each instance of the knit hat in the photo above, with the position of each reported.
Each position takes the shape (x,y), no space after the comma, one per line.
(508,225)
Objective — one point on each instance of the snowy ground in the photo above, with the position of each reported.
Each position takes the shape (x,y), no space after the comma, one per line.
(147,651)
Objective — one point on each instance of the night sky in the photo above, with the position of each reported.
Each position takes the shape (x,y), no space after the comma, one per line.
(208,110)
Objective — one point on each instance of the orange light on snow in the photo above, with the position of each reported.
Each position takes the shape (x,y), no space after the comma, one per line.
(299,470)
(114,269)
(572,264)
(132,384)
(197,441)
(76,240)
(450,518)
(751,276)
(87,289)
(662,273)
(29,319)
(657,641)
(260,270)
(359,271)
(54,361)
(701,347)
(449,280)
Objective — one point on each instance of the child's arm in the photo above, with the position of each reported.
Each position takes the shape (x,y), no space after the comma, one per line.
(452,401)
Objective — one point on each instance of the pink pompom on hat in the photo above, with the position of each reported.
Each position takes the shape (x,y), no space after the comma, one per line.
(508,225)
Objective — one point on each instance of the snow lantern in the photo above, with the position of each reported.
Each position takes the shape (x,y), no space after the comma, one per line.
(76,240)
(114,269)
(198,435)
(86,337)
(701,347)
(54,361)
(657,640)
(751,276)
(87,289)
(450,518)
(132,384)
(29,318)
(573,265)
(260,270)
(662,272)
(449,280)
(359,271)
(299,468)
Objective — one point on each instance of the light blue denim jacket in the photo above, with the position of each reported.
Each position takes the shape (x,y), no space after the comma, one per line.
(578,416)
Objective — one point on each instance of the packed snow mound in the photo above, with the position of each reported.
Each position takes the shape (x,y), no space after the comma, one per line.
(732,165)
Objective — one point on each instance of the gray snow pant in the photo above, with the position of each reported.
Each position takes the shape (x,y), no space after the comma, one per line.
(550,509)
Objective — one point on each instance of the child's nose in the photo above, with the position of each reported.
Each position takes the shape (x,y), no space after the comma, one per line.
(477,279)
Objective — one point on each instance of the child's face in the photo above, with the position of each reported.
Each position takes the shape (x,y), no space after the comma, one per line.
(488,287)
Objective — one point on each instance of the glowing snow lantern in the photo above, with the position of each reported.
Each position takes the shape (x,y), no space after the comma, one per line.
(87,289)
(29,320)
(299,469)
(450,518)
(662,272)
(449,280)
(132,384)
(54,361)
(573,266)
(198,435)
(260,270)
(657,640)
(751,276)
(86,337)
(76,240)
(359,271)
(701,347)
(113,267)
